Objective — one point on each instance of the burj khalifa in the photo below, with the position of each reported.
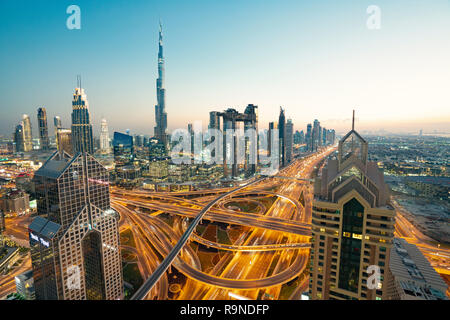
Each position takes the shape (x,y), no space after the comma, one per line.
(160,108)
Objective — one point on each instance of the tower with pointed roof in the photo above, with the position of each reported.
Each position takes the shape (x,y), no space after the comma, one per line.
(352,224)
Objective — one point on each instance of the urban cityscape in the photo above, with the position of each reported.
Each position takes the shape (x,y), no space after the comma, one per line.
(233,205)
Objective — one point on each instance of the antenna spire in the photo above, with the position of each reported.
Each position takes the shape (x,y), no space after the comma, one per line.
(353,120)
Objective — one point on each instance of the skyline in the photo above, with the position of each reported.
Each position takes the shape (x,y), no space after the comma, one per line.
(209,67)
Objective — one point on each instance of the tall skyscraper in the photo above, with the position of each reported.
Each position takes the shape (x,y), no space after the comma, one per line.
(160,108)
(82,138)
(288,140)
(281,135)
(57,124)
(18,138)
(214,120)
(123,149)
(352,225)
(104,137)
(74,240)
(309,137)
(43,128)
(27,134)
(315,135)
(272,126)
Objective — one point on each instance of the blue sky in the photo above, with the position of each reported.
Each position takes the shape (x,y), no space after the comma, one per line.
(317,59)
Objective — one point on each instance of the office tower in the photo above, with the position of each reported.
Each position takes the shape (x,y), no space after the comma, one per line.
(123,149)
(331,136)
(251,142)
(104,137)
(315,135)
(289,136)
(160,108)
(410,276)
(297,138)
(25,285)
(64,140)
(82,138)
(352,225)
(302,137)
(57,124)
(231,121)
(214,120)
(18,138)
(191,136)
(43,129)
(281,135)
(309,137)
(272,126)
(27,134)
(74,240)
(324,136)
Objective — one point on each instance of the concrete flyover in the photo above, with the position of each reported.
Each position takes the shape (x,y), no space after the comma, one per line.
(165,234)
(161,269)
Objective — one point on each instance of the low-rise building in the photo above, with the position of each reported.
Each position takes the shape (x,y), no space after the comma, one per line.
(410,276)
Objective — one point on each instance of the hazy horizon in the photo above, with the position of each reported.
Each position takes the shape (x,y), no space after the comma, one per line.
(317,60)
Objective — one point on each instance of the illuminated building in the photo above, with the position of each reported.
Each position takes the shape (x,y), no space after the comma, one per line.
(25,285)
(158,169)
(64,140)
(352,224)
(43,129)
(27,135)
(74,240)
(82,138)
(410,276)
(16,201)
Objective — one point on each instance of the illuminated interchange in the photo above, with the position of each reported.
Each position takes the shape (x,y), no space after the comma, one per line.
(244,214)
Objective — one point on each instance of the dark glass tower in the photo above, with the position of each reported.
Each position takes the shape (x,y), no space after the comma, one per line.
(43,128)
(281,136)
(160,108)
(123,149)
(74,240)
(82,138)
(18,138)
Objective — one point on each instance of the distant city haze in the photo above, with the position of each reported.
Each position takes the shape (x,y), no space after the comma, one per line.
(316,59)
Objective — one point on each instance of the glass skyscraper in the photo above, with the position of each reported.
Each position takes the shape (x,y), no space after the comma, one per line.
(160,107)
(74,240)
(43,128)
(82,138)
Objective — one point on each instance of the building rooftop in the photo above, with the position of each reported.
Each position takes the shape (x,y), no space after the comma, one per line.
(414,273)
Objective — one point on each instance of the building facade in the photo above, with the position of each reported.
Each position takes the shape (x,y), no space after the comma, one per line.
(160,131)
(104,137)
(82,138)
(352,225)
(74,240)
(27,134)
(43,129)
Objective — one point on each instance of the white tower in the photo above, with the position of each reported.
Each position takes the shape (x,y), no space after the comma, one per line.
(104,137)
